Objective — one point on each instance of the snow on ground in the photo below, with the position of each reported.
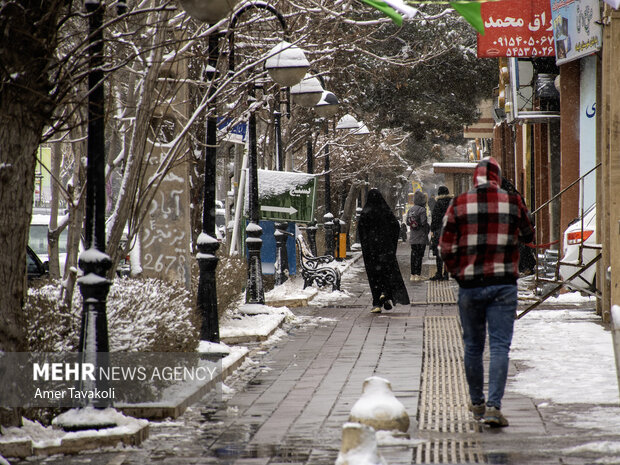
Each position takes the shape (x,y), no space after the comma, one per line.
(569,355)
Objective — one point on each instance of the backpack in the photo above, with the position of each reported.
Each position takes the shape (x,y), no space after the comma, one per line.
(413,224)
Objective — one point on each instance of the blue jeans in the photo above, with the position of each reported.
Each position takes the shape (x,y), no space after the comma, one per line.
(493,307)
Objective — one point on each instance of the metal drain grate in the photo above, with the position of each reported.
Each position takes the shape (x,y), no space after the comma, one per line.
(444,398)
(449,451)
(440,292)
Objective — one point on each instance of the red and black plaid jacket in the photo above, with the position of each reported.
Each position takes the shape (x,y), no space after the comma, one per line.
(481,231)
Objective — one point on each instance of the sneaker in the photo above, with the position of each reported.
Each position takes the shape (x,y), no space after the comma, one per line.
(436,277)
(478,410)
(493,417)
(388,305)
(376,310)
(413,278)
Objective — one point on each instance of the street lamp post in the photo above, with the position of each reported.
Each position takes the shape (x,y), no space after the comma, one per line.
(325,108)
(286,65)
(332,230)
(206,298)
(211,11)
(94,262)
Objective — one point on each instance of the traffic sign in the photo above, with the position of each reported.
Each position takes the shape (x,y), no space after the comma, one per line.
(286,196)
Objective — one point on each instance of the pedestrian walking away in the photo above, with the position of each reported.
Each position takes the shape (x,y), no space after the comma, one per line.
(479,245)
(437,213)
(418,233)
(379,231)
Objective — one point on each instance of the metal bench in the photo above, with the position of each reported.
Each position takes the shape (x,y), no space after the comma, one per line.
(313,269)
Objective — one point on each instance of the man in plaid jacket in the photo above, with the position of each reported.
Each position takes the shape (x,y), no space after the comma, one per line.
(479,244)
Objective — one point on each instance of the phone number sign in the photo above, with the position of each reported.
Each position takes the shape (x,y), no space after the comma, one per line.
(516,28)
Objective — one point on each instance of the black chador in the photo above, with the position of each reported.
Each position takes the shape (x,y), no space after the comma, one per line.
(378,232)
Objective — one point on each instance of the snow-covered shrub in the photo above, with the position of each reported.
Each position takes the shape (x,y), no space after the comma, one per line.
(147,315)
(231,280)
(50,326)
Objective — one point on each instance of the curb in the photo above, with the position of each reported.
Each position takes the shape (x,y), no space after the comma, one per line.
(75,442)
(174,409)
(229,336)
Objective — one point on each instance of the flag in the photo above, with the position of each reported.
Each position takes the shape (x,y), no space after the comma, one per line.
(471,12)
(385,9)
(394,9)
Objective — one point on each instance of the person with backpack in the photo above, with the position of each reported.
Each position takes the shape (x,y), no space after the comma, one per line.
(439,210)
(417,221)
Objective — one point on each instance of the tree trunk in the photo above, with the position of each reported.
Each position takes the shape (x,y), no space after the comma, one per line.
(18,145)
(27,53)
(53,233)
(349,206)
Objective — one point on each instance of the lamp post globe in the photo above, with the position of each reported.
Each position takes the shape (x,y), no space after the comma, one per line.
(347,122)
(328,105)
(208,11)
(287,64)
(308,92)
(362,130)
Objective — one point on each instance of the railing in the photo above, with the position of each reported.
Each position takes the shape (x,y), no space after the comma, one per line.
(548,279)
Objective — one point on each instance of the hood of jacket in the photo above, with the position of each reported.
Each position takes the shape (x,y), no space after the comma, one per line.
(419,198)
(487,172)
(443,190)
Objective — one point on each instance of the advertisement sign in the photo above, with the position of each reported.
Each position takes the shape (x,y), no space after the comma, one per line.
(576,28)
(516,28)
(587,130)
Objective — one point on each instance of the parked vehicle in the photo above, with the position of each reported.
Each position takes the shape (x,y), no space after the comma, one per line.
(37,240)
(34,265)
(580,238)
(220,224)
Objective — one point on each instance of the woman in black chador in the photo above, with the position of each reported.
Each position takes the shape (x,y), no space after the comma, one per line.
(379,231)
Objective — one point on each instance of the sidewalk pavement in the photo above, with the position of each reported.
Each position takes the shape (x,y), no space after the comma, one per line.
(293,410)
(290,399)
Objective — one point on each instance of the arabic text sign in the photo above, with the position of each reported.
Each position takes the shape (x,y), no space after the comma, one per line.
(516,28)
(577,29)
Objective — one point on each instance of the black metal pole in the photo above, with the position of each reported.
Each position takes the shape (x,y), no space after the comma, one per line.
(328,189)
(281,235)
(254,293)
(280,230)
(328,218)
(206,299)
(358,212)
(337,228)
(277,123)
(309,157)
(94,286)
